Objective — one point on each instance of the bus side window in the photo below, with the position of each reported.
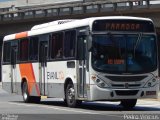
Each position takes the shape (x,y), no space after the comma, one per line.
(23,49)
(52,46)
(69,44)
(81,47)
(33,49)
(56,47)
(7,52)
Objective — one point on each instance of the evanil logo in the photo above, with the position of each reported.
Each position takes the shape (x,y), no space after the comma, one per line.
(55,75)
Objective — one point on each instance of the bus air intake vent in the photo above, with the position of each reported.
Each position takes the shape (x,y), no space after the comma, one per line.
(126,92)
(126,78)
(123,86)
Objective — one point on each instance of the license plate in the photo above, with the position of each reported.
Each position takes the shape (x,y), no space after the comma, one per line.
(150,92)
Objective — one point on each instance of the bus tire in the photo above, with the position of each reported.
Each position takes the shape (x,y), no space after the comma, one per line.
(26,97)
(128,104)
(70,96)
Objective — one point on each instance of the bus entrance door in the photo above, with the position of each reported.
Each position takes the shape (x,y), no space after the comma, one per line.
(43,53)
(82,91)
(14,48)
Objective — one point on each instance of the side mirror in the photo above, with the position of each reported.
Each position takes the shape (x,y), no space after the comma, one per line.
(85,32)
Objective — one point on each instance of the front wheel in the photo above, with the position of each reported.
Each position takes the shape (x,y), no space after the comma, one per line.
(26,97)
(70,96)
(128,104)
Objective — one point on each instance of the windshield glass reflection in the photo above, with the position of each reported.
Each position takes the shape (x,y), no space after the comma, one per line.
(117,53)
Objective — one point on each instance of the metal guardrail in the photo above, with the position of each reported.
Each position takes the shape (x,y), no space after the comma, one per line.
(75,9)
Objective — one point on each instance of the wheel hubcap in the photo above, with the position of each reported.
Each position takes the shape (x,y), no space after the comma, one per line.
(71,94)
(25,95)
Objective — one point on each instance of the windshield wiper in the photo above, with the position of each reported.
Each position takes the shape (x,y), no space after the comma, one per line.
(117,44)
(111,38)
(137,42)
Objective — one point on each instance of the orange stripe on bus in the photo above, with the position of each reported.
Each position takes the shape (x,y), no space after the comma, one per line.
(21,35)
(27,72)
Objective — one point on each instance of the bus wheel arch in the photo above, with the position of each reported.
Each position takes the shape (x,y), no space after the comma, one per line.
(67,81)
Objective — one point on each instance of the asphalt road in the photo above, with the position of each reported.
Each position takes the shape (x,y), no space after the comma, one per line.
(13,108)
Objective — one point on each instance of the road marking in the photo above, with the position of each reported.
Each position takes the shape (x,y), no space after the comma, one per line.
(62,109)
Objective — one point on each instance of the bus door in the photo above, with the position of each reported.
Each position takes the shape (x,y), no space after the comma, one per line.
(43,55)
(14,49)
(82,91)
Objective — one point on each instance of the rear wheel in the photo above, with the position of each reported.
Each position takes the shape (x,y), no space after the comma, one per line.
(128,104)
(26,97)
(70,96)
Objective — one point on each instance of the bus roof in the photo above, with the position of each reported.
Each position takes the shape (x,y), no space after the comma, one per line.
(57,22)
(53,27)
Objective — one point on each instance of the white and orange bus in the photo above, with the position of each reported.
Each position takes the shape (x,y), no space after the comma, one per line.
(93,59)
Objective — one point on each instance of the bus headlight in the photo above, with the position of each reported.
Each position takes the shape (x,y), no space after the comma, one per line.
(101,83)
(151,83)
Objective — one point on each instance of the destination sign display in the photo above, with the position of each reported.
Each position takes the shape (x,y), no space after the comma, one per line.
(123,25)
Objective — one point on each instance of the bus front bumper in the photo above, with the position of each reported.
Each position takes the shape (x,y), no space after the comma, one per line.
(97,93)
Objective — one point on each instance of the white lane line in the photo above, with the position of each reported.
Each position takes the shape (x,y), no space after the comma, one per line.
(62,109)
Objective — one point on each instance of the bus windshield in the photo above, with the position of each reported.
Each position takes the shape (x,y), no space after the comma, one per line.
(129,53)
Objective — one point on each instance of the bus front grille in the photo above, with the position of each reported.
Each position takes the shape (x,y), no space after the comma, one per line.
(126,78)
(126,92)
(123,85)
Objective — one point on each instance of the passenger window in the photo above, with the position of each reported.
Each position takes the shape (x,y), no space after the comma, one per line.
(6,52)
(69,44)
(33,48)
(23,49)
(56,45)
